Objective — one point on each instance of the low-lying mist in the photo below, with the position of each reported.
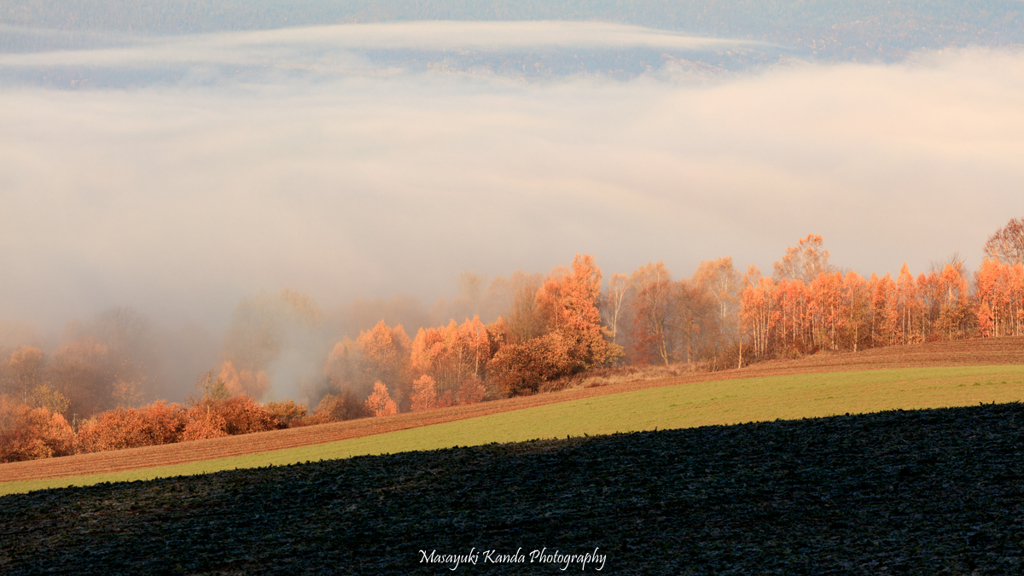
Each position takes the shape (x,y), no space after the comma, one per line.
(179,199)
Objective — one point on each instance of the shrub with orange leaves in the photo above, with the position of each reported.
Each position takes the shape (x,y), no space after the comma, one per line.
(287,412)
(519,369)
(203,424)
(158,423)
(31,433)
(243,415)
(338,408)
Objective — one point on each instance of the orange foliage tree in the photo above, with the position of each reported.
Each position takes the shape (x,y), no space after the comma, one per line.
(855,324)
(571,337)
(882,322)
(569,305)
(424,394)
(999,289)
(380,403)
(652,295)
(1006,245)
(450,356)
(805,261)
(237,382)
(381,354)
(718,281)
(27,380)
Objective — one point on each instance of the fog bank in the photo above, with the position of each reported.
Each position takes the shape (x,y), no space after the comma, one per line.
(181,199)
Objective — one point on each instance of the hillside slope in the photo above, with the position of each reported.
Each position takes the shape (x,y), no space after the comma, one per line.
(982,352)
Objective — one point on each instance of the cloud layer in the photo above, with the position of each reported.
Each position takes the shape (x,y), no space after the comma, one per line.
(180,200)
(322,44)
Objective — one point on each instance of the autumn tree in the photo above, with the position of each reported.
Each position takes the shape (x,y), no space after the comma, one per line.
(882,320)
(243,382)
(651,293)
(613,307)
(452,355)
(25,377)
(202,425)
(805,261)
(672,320)
(470,300)
(955,319)
(81,371)
(208,391)
(127,334)
(25,372)
(758,314)
(380,403)
(797,327)
(512,298)
(985,323)
(131,352)
(999,288)
(569,305)
(827,309)
(557,334)
(424,394)
(720,281)
(218,409)
(1007,243)
(343,369)
(524,320)
(380,354)
(385,354)
(856,311)
(906,311)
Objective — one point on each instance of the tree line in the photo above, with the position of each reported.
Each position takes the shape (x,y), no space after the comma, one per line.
(87,395)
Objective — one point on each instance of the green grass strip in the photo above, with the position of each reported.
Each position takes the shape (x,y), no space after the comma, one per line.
(680,406)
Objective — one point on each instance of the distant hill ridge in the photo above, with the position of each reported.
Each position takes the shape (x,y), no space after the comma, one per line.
(829,29)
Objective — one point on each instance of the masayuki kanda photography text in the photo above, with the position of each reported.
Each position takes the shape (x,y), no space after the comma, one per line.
(594,560)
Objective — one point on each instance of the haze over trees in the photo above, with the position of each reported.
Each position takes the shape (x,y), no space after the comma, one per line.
(90,392)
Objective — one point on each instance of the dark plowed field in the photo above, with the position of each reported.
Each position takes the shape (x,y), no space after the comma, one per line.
(924,492)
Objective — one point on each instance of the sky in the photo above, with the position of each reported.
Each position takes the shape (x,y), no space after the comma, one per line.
(287,159)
